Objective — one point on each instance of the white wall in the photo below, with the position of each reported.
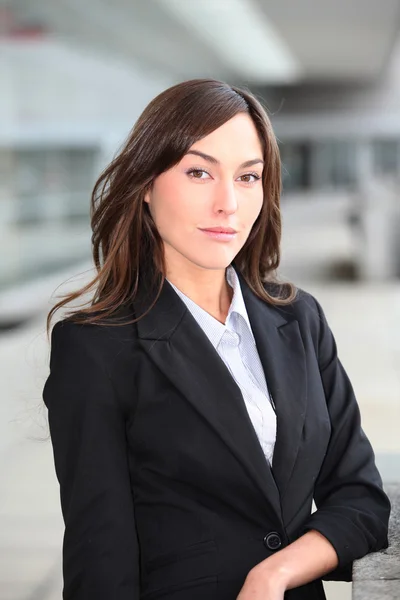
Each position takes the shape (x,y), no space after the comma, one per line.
(52,92)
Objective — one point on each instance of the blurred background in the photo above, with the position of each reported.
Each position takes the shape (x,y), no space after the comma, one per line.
(74,76)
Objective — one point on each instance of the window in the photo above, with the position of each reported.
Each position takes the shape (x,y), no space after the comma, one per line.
(386,155)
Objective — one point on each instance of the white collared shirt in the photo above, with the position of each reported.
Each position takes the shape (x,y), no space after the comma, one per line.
(234,342)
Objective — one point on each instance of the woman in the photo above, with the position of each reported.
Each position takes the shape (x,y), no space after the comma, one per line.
(197,406)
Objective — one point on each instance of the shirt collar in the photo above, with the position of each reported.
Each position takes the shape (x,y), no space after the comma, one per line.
(237,305)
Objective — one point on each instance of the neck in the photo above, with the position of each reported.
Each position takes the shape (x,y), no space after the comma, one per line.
(208,288)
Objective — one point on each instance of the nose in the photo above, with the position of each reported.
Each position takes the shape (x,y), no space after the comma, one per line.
(225,198)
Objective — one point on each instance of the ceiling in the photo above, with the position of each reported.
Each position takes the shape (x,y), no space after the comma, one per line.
(260,42)
(337,40)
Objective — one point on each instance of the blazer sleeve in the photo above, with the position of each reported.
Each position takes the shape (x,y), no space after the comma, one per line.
(352,508)
(87,429)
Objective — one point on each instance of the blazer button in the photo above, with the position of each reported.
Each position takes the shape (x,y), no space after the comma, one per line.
(273,541)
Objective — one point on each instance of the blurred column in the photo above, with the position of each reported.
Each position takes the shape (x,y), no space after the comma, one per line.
(8,117)
(9,257)
(378,207)
(364,163)
(379,220)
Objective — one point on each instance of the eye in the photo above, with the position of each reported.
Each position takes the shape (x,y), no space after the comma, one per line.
(195,173)
(246,178)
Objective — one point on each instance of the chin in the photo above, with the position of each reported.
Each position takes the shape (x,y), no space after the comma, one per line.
(214,263)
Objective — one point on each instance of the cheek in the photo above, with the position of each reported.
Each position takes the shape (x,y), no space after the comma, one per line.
(251,208)
(174,204)
(170,209)
(164,200)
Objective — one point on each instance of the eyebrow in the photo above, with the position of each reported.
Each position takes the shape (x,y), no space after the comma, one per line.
(214,161)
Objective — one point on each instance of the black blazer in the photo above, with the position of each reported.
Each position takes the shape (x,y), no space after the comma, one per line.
(165,490)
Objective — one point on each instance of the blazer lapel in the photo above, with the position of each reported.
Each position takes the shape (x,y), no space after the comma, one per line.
(282,355)
(181,350)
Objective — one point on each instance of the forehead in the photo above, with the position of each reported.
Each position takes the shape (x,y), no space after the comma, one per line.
(237,138)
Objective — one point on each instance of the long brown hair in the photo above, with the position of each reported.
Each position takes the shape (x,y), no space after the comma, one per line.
(126,245)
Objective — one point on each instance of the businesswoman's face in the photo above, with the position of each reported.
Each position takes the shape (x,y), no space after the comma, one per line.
(217,184)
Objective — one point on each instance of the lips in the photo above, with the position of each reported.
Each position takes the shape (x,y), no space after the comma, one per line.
(220,234)
(220,229)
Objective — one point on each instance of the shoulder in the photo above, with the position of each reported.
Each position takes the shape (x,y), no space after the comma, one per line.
(100,343)
(307,308)
(304,308)
(87,354)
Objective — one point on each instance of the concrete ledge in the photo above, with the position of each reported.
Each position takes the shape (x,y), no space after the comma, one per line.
(25,301)
(376,590)
(377,575)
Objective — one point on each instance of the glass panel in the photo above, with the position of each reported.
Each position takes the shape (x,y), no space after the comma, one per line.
(44,210)
(296,165)
(335,164)
(386,157)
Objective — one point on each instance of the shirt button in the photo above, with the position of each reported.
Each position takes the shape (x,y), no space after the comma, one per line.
(273,541)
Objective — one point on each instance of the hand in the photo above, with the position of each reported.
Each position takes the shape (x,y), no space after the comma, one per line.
(261,584)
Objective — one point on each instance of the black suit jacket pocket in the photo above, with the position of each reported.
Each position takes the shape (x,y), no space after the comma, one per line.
(180,569)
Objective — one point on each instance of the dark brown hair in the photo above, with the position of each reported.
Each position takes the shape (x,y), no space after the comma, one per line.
(126,245)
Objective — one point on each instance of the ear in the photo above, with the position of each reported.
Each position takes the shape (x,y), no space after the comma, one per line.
(147,193)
